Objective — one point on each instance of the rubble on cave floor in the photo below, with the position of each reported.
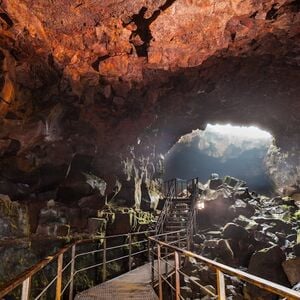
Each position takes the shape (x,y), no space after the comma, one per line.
(255,233)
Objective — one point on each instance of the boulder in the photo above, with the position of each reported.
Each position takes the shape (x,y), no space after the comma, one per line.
(215,183)
(242,193)
(248,224)
(296,249)
(278,225)
(235,232)
(291,268)
(225,253)
(266,263)
(233,182)
(63,230)
(96,226)
(215,210)
(240,207)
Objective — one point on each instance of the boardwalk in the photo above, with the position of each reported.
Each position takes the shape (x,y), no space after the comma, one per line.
(132,285)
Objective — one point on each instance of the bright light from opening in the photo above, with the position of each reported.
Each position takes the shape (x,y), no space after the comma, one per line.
(200,204)
(250,132)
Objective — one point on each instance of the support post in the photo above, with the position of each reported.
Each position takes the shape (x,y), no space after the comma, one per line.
(71,288)
(104,261)
(160,290)
(130,251)
(178,238)
(221,285)
(151,259)
(177,275)
(166,256)
(59,276)
(149,250)
(26,289)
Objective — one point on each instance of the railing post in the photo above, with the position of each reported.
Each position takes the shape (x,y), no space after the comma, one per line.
(177,275)
(104,261)
(166,256)
(71,288)
(26,289)
(178,238)
(221,285)
(151,259)
(59,276)
(160,290)
(130,251)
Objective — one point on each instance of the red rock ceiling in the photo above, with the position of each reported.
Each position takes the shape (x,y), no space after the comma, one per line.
(92,77)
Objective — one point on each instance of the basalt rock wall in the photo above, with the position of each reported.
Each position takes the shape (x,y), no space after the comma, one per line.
(114,84)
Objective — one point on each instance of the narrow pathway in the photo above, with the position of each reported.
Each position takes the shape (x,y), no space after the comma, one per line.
(132,285)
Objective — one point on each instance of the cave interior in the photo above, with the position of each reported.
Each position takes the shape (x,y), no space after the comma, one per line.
(95,95)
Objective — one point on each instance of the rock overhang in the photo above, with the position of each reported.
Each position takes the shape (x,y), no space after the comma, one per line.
(95,79)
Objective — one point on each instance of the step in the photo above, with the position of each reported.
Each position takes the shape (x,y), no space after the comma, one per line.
(180,211)
(177,220)
(180,208)
(182,223)
(174,227)
(174,237)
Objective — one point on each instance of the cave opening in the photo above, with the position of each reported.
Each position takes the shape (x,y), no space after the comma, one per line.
(236,151)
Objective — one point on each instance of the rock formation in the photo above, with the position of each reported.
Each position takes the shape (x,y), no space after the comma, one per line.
(247,231)
(94,91)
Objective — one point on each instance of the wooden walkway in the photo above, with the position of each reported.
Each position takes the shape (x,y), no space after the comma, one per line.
(135,285)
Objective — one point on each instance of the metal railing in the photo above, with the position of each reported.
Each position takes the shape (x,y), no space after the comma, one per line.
(192,186)
(173,189)
(174,275)
(169,190)
(132,240)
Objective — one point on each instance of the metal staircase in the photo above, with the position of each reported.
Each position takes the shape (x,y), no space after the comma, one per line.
(179,209)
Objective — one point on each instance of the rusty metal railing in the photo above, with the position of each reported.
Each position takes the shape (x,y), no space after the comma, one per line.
(66,290)
(24,279)
(192,186)
(169,190)
(173,277)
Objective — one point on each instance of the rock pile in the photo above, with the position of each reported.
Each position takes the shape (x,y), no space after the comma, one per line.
(252,232)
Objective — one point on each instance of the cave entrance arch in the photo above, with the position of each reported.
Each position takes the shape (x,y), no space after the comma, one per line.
(238,151)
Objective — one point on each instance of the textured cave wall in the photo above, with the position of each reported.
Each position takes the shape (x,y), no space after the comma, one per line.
(121,81)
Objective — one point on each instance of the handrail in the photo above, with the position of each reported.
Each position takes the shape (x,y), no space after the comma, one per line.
(24,277)
(12,284)
(169,197)
(191,224)
(221,269)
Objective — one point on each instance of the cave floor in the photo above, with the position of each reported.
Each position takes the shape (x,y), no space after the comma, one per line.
(135,284)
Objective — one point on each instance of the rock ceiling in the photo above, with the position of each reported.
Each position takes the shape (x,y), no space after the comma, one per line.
(97,77)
